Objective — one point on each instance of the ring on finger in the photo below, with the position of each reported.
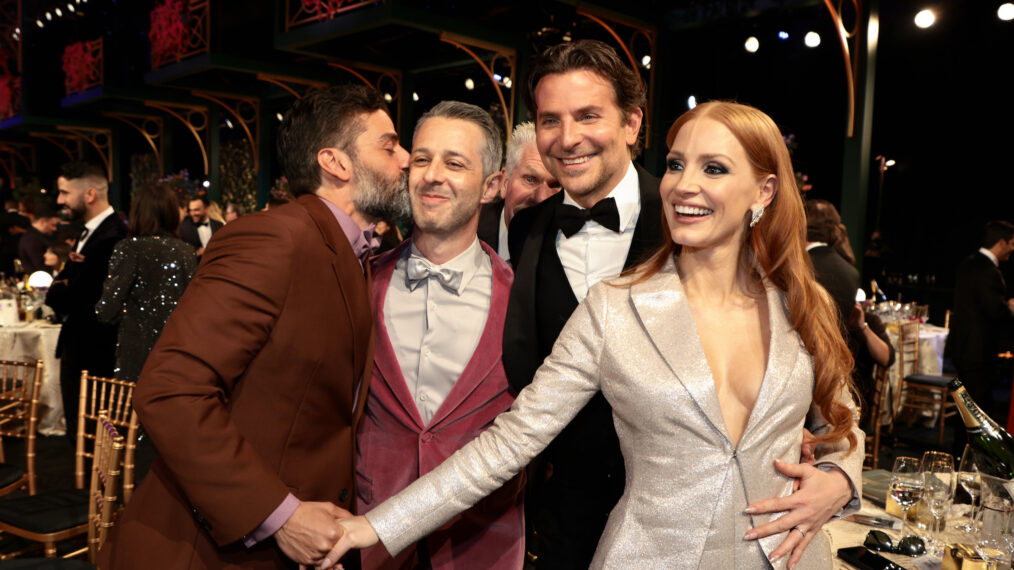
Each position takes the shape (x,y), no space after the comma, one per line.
(801,531)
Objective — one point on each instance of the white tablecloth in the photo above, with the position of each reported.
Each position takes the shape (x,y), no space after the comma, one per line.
(37,341)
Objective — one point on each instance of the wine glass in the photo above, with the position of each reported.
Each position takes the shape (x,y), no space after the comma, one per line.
(906,485)
(938,494)
(968,478)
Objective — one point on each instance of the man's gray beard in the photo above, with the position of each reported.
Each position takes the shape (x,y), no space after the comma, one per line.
(382,199)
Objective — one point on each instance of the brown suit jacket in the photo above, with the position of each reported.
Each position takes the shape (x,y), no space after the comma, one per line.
(252,392)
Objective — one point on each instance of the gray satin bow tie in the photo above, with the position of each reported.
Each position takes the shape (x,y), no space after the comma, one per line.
(419,269)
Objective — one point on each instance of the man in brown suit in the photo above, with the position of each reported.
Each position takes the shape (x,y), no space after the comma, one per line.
(254,389)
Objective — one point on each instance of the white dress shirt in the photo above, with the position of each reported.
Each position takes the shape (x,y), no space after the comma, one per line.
(204,232)
(596,252)
(93,224)
(435,331)
(502,248)
(990,255)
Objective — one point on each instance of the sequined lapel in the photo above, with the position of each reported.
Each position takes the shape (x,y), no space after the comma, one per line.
(783,352)
(662,306)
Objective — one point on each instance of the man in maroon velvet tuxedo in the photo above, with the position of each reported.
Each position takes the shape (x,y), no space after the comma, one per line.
(440,300)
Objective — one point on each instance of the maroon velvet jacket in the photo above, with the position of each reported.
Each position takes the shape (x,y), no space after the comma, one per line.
(395,448)
(253,391)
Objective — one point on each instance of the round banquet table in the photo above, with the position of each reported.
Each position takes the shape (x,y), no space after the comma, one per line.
(37,341)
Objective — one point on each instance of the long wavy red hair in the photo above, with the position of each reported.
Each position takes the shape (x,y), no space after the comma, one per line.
(777,245)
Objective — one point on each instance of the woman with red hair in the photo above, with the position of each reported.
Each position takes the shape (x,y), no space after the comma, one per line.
(714,355)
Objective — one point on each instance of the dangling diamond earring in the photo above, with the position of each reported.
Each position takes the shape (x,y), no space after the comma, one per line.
(756,216)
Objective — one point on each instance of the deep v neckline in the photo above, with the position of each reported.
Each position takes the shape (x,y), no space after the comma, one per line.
(698,347)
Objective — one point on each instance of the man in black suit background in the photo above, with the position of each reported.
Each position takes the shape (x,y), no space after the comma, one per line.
(834,271)
(588,108)
(84,343)
(526,182)
(981,312)
(197,228)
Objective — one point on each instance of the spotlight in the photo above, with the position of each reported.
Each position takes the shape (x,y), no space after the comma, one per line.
(40,24)
(70,7)
(890,162)
(691,102)
(388,98)
(469,84)
(415,96)
(59,13)
(646,62)
(206,184)
(752,44)
(925,18)
(279,117)
(783,35)
(811,39)
(49,16)
(1005,12)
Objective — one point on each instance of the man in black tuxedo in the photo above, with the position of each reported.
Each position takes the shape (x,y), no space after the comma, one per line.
(526,182)
(981,311)
(824,234)
(588,108)
(84,343)
(197,228)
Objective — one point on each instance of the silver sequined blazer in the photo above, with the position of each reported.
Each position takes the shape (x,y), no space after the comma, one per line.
(686,484)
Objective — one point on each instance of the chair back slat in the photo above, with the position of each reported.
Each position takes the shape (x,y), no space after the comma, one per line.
(114,398)
(20,383)
(105,478)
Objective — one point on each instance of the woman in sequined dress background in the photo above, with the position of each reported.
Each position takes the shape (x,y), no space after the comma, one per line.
(148,272)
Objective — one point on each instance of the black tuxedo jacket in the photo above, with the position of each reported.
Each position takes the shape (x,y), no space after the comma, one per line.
(76,290)
(980,311)
(188,231)
(838,276)
(529,230)
(567,511)
(489,223)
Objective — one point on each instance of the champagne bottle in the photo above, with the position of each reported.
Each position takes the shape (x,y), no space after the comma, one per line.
(992,446)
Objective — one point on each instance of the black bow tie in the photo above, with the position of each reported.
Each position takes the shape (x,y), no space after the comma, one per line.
(199,224)
(570,219)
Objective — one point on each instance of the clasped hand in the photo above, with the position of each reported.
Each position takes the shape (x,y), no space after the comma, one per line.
(311,532)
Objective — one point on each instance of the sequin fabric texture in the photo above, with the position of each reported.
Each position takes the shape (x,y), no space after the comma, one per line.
(147,276)
(687,485)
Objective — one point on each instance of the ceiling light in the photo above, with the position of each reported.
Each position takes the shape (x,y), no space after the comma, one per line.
(415,96)
(925,18)
(49,16)
(388,98)
(70,7)
(752,44)
(783,35)
(507,82)
(811,39)
(646,62)
(691,102)
(40,24)
(469,84)
(279,117)
(497,77)
(59,13)
(228,123)
(1005,12)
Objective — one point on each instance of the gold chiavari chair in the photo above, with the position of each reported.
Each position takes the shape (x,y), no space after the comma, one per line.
(921,392)
(19,417)
(59,515)
(115,397)
(876,404)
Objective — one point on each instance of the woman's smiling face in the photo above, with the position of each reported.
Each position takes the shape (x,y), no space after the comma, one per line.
(710,187)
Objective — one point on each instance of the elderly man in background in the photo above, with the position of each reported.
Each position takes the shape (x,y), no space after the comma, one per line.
(526,183)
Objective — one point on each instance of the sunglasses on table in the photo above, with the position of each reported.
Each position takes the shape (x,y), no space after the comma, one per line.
(879,541)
